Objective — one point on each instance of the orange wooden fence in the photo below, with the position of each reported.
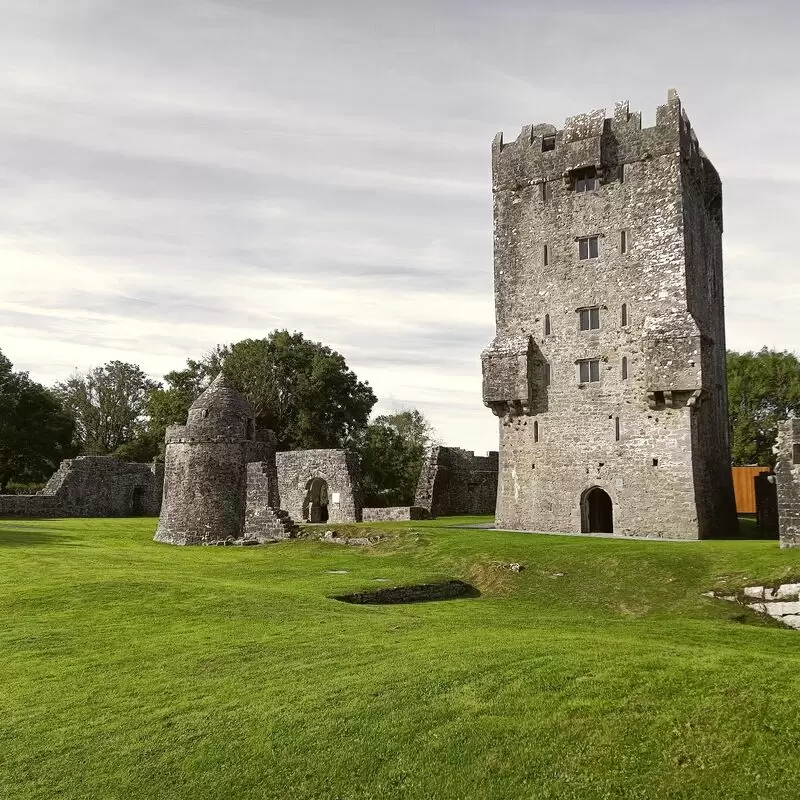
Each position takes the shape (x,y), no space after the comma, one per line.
(744,488)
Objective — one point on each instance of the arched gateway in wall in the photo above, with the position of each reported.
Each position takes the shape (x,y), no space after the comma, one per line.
(597,511)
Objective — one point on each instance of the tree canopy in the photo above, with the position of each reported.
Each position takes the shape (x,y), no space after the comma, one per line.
(108,404)
(392,450)
(35,431)
(301,390)
(763,388)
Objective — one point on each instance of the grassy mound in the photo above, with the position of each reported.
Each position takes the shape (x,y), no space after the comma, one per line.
(131,669)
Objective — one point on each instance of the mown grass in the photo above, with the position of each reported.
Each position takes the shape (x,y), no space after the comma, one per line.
(131,669)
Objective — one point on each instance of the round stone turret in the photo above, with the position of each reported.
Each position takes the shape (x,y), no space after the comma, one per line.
(205,471)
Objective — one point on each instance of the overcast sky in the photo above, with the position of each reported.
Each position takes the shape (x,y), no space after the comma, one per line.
(180,173)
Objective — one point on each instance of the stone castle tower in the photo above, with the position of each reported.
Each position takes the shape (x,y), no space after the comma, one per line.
(608,368)
(205,471)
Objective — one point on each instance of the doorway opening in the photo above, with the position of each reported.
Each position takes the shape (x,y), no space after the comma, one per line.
(597,512)
(315,505)
(137,502)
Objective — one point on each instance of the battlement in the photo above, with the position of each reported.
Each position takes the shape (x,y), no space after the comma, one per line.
(543,153)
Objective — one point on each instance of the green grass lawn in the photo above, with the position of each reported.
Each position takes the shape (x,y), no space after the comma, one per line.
(131,669)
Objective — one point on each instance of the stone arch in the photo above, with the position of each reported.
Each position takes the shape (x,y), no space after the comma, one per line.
(597,511)
(315,504)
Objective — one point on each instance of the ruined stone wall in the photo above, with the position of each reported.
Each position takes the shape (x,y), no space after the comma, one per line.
(787,477)
(92,486)
(393,514)
(650,431)
(339,470)
(455,481)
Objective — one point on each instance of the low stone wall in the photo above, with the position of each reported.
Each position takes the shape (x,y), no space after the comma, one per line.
(393,514)
(781,603)
(92,486)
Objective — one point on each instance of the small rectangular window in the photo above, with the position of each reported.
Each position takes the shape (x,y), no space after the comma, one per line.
(588,247)
(589,370)
(623,242)
(796,454)
(584,180)
(546,255)
(548,143)
(547,191)
(589,319)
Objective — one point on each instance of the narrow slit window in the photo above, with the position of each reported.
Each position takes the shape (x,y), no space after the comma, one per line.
(616,429)
(621,173)
(545,255)
(546,324)
(623,242)
(589,319)
(624,368)
(624,315)
(535,431)
(796,454)
(547,191)
(546,374)
(588,247)
(548,143)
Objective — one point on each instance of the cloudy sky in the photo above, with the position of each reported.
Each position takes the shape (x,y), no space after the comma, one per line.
(180,173)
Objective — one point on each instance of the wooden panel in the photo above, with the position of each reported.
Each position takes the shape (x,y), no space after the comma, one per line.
(744,488)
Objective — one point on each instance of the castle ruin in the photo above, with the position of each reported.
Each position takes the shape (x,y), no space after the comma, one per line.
(607,372)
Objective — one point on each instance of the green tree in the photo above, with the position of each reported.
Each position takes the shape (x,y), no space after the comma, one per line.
(763,387)
(35,431)
(301,390)
(108,404)
(392,450)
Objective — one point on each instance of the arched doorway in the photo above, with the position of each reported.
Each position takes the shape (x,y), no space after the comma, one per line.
(597,512)
(315,505)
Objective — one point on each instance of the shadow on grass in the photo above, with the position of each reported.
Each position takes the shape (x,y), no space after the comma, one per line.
(748,529)
(27,536)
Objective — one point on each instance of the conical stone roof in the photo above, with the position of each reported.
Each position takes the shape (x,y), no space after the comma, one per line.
(222,399)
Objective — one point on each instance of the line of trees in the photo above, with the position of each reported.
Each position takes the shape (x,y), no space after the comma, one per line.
(304,392)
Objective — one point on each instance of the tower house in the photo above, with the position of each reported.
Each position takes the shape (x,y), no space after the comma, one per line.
(607,371)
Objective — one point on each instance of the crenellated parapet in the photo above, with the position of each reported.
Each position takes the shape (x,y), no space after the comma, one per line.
(544,153)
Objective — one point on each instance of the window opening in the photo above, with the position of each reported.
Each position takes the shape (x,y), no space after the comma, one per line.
(535,431)
(624,368)
(548,143)
(546,374)
(616,428)
(588,247)
(547,191)
(585,180)
(589,319)
(589,370)
(624,315)
(546,324)
(546,255)
(621,173)
(623,242)
(796,454)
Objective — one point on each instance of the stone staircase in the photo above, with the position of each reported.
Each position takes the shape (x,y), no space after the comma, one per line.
(269,525)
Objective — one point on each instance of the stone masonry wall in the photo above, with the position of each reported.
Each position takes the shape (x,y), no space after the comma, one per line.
(393,514)
(455,481)
(92,486)
(339,470)
(787,477)
(651,431)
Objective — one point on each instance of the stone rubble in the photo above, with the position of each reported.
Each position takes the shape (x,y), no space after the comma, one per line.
(781,603)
